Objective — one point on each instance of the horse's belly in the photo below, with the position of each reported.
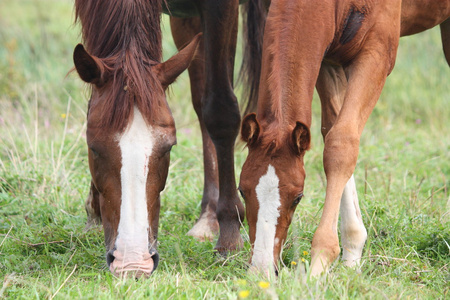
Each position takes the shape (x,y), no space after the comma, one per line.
(184,8)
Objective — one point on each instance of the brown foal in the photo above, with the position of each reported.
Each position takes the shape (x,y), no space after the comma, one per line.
(345,49)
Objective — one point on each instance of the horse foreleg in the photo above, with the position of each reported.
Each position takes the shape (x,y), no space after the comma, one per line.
(221,113)
(206,227)
(331,87)
(366,77)
(92,207)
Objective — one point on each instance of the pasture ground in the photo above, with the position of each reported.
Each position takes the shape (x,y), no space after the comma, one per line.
(403,180)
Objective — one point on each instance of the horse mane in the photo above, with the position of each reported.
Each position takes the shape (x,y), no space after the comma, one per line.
(126,36)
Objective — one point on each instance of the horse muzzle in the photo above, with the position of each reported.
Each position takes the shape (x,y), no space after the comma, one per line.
(132,264)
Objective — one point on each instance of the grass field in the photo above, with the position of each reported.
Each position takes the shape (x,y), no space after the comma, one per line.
(403,179)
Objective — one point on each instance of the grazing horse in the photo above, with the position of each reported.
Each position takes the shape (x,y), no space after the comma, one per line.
(130,128)
(345,49)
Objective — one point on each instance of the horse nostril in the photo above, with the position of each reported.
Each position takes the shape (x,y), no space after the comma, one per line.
(110,257)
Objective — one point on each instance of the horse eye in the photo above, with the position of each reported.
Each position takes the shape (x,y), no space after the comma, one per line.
(242,193)
(94,152)
(297,199)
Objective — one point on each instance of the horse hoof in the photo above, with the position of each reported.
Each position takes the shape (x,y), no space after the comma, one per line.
(231,247)
(205,229)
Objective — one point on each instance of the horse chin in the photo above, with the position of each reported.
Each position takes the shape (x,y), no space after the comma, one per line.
(133,267)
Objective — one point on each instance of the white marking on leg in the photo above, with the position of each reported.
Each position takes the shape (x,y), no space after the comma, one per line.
(268,195)
(353,232)
(206,227)
(136,145)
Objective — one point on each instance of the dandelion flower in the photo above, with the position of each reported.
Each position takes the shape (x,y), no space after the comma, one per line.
(63,116)
(263,284)
(303,260)
(305,253)
(243,294)
(293,263)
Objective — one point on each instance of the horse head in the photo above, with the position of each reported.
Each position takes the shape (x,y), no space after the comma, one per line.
(130,132)
(271,184)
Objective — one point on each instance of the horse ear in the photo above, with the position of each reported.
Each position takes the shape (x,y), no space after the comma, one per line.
(169,70)
(89,67)
(301,138)
(250,129)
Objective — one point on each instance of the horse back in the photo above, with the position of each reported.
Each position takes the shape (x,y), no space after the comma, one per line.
(420,15)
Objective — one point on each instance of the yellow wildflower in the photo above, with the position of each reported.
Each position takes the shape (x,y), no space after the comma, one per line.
(303,260)
(263,284)
(63,116)
(305,253)
(243,294)
(293,263)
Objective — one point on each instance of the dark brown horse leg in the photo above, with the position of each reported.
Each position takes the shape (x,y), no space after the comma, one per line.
(92,207)
(221,112)
(331,86)
(183,30)
(445,36)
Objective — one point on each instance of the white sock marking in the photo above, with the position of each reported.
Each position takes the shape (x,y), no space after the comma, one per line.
(353,232)
(136,146)
(268,196)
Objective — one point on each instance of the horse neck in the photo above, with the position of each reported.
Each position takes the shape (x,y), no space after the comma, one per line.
(293,49)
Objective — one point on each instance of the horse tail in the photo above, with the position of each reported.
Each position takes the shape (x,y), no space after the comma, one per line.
(445,35)
(254,17)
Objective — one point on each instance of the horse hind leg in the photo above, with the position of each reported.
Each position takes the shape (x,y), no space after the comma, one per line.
(207,226)
(92,207)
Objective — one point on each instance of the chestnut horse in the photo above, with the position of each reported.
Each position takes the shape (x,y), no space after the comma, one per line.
(346,49)
(130,128)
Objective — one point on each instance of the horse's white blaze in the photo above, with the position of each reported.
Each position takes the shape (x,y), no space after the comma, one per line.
(268,196)
(136,145)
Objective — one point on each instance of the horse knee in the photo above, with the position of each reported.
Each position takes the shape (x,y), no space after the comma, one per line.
(353,235)
(221,116)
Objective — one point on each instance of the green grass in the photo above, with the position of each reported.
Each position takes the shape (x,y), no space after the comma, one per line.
(403,177)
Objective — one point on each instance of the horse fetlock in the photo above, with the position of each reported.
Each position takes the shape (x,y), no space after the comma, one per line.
(206,228)
(322,258)
(324,251)
(230,237)
(353,240)
(354,234)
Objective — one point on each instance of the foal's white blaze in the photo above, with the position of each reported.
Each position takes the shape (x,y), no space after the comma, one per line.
(268,196)
(136,145)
